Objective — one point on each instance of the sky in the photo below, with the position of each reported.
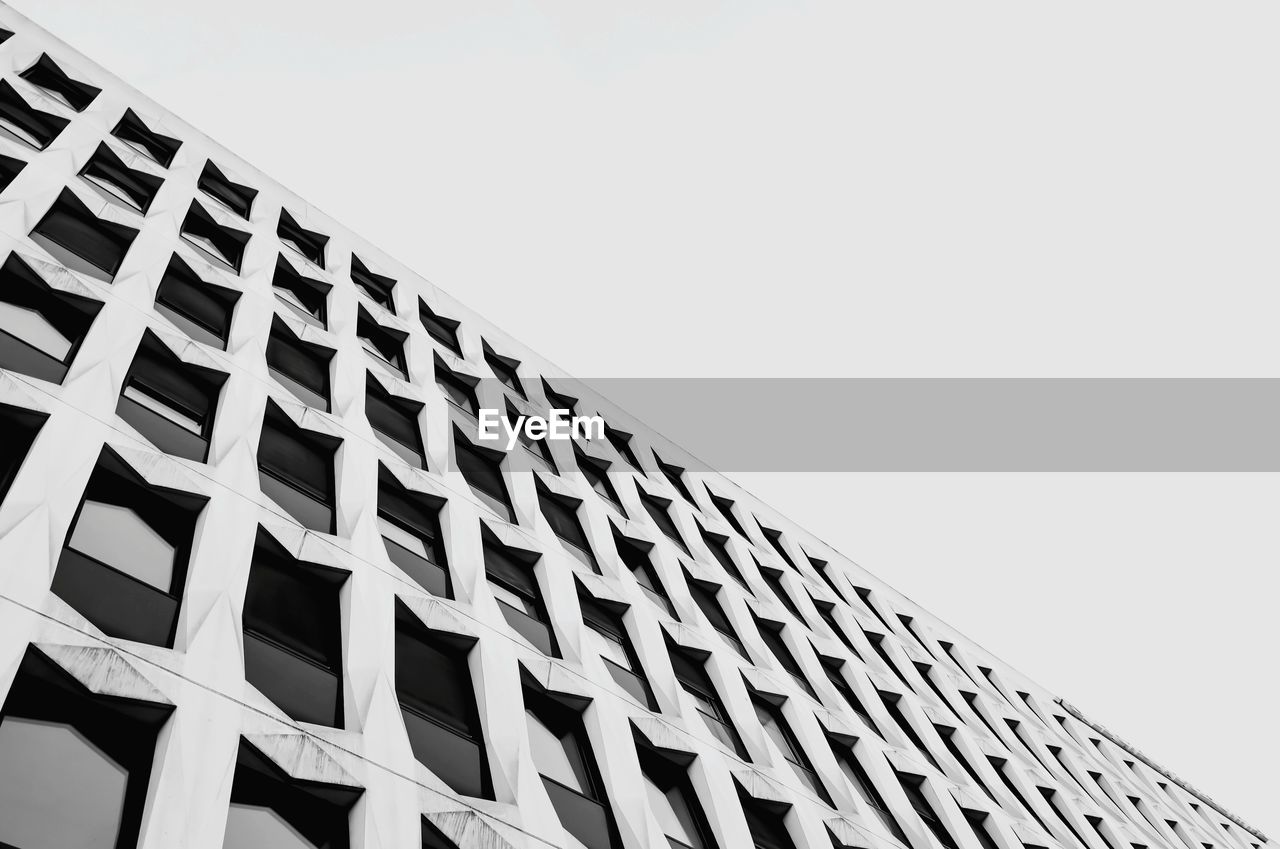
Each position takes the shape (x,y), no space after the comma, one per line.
(748,189)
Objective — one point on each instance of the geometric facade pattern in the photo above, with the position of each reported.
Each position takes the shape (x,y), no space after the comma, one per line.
(260,584)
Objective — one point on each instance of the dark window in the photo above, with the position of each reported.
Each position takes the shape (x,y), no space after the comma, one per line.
(124,563)
(46,74)
(10,168)
(306,242)
(40,327)
(913,786)
(998,765)
(1051,796)
(823,570)
(705,596)
(866,788)
(536,448)
(510,572)
(657,509)
(74,766)
(597,474)
(672,799)
(410,525)
(201,310)
(26,123)
(924,669)
(433,838)
(766,820)
(268,808)
(608,635)
(170,402)
(621,443)
(305,297)
(561,514)
(504,368)
(383,344)
(948,736)
(771,633)
(865,595)
(909,624)
(562,755)
(301,367)
(834,667)
(773,577)
(559,401)
(690,669)
(235,197)
(443,330)
(222,244)
(725,506)
(377,287)
(395,422)
(108,172)
(634,554)
(716,544)
(877,643)
(133,132)
(482,470)
(827,611)
(295,469)
(776,729)
(893,704)
(775,540)
(81,240)
(433,684)
(293,633)
(673,474)
(459,391)
(980,822)
(18,430)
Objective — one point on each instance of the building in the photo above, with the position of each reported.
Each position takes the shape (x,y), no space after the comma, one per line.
(261,584)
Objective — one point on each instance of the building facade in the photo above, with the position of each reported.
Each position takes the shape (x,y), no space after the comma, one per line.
(262,584)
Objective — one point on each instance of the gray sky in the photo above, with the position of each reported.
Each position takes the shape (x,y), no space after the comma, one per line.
(842,189)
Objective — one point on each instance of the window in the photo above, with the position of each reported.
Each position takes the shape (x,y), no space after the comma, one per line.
(433,685)
(562,756)
(124,563)
(924,671)
(725,506)
(561,514)
(716,544)
(877,642)
(672,474)
(107,172)
(443,330)
(306,242)
(559,401)
(301,367)
(170,402)
(913,786)
(672,799)
(459,391)
(376,287)
(268,808)
(201,310)
(383,344)
(607,634)
(865,595)
(235,197)
(981,824)
(504,368)
(293,633)
(827,611)
(536,449)
(998,765)
(766,820)
(510,572)
(597,474)
(410,526)
(40,327)
(822,568)
(10,168)
(395,422)
(834,667)
(295,469)
(893,704)
(705,596)
(18,430)
(82,241)
(773,577)
(866,788)
(690,669)
(1051,796)
(306,298)
(621,443)
(771,633)
(221,244)
(433,838)
(775,540)
(482,470)
(948,736)
(64,750)
(133,132)
(769,713)
(24,122)
(657,509)
(634,554)
(46,74)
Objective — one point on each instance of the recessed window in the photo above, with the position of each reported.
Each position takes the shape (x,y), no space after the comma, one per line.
(40,327)
(536,449)
(621,443)
(634,554)
(672,800)
(459,391)
(717,544)
(443,330)
(562,755)
(46,74)
(773,578)
(913,786)
(269,808)
(383,344)
(306,242)
(824,572)
(223,245)
(607,634)
(504,368)
(705,595)
(690,669)
(235,197)
(561,514)
(410,525)
(74,767)
(295,469)
(433,685)
(560,401)
(201,310)
(878,643)
(293,633)
(834,669)
(981,823)
(866,788)
(673,475)
(510,572)
(433,838)
(893,706)
(25,123)
(481,468)
(725,506)
(395,422)
(769,713)
(775,540)
(82,241)
(18,429)
(301,367)
(120,183)
(597,474)
(132,131)
(170,402)
(771,633)
(377,287)
(10,168)
(766,821)
(305,297)
(658,510)
(124,563)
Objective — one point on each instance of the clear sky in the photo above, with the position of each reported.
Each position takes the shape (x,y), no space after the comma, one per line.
(840,189)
